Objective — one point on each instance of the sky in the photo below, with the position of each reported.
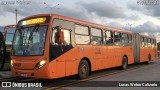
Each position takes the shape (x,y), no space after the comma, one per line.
(121,14)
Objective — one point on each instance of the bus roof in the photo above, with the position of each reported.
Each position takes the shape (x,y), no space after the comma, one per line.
(9,26)
(147,36)
(78,22)
(89,23)
(84,23)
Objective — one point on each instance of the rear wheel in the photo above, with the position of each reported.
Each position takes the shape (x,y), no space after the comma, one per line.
(83,69)
(149,59)
(124,63)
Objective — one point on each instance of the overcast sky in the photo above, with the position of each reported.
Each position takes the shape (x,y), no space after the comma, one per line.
(116,13)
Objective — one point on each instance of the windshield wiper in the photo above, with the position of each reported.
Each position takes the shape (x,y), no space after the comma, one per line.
(20,30)
(35,29)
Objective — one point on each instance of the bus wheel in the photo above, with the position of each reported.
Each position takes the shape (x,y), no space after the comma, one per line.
(124,63)
(149,59)
(83,69)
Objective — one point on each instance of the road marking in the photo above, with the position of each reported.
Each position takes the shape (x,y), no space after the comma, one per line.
(91,78)
(78,81)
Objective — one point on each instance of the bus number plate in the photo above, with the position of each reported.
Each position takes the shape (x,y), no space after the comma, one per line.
(24,75)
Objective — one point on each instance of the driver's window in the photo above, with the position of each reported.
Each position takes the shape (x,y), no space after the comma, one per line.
(67,37)
(53,38)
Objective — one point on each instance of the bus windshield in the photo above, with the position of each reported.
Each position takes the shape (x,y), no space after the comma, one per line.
(29,41)
(9,35)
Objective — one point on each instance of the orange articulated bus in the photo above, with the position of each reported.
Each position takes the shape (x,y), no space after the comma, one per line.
(54,46)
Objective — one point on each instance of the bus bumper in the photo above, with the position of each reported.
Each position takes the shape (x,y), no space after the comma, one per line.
(41,73)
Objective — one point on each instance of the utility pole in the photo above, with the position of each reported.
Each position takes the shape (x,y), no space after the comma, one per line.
(16,14)
(130,26)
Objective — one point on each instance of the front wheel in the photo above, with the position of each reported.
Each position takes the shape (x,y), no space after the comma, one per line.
(83,69)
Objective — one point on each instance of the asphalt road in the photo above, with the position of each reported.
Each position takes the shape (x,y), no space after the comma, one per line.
(100,80)
(143,73)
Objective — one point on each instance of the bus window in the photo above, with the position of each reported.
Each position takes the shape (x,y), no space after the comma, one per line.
(67,38)
(80,39)
(30,41)
(149,42)
(130,39)
(117,38)
(145,42)
(82,34)
(37,39)
(96,36)
(153,43)
(108,35)
(81,30)
(142,42)
(125,39)
(9,35)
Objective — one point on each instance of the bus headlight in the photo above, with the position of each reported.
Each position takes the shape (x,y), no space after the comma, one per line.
(40,64)
(11,63)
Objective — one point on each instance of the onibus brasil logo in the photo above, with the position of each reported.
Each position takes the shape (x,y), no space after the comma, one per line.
(14,84)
